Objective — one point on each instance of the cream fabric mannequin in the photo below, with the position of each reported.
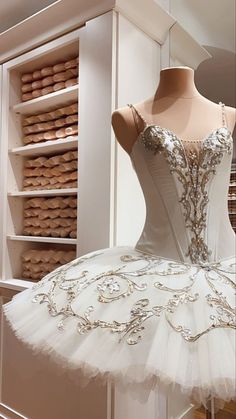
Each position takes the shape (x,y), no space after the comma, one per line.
(176,105)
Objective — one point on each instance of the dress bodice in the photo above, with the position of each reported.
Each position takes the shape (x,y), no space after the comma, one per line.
(185,186)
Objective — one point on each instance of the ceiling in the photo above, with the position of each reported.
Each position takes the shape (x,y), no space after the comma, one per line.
(211,23)
(14,11)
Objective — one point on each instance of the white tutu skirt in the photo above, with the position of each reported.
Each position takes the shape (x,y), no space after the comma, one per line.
(137,320)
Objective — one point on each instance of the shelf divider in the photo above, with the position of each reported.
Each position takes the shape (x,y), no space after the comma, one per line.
(51,100)
(16,284)
(41,239)
(46,147)
(44,192)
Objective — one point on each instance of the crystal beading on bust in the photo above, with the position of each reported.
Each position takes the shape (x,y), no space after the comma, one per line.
(193,171)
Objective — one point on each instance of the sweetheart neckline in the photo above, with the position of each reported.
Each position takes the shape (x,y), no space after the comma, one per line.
(181,141)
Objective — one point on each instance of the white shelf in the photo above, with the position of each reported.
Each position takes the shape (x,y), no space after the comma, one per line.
(50,101)
(16,284)
(47,147)
(44,192)
(40,239)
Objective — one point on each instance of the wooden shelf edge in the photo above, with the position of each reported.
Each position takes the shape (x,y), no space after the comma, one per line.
(52,99)
(46,147)
(41,239)
(16,284)
(44,192)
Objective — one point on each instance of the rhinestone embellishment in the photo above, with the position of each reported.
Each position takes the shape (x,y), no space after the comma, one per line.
(126,279)
(193,170)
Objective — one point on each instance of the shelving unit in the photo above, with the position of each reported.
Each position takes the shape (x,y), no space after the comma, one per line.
(119,44)
(104,84)
(15,153)
(97,149)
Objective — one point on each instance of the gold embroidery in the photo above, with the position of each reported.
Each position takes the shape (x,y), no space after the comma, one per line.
(119,283)
(193,170)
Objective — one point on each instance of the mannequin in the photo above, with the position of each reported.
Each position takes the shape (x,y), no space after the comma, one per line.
(160,294)
(176,105)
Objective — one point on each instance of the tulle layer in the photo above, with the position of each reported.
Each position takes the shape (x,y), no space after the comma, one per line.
(136,319)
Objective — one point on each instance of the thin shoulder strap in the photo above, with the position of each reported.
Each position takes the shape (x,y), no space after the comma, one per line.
(137,117)
(223,114)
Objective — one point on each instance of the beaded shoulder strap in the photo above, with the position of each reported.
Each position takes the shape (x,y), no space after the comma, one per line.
(137,117)
(223,114)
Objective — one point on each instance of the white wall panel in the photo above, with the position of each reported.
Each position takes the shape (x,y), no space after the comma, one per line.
(138,76)
(35,388)
(95,98)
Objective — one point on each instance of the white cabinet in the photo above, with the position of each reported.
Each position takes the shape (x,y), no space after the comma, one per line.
(114,55)
(30,387)
(120,53)
(14,153)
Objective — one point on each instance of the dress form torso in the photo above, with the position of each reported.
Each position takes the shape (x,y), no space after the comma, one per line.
(187,160)
(185,185)
(176,105)
(158,317)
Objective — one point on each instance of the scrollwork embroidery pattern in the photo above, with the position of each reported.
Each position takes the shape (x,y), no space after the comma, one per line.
(193,170)
(126,279)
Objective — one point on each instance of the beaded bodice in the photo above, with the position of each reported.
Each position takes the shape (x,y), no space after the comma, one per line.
(185,185)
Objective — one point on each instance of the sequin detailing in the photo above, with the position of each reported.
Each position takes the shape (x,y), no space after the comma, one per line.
(134,274)
(128,296)
(193,170)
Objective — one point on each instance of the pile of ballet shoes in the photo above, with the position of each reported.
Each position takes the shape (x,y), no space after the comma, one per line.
(38,263)
(50,217)
(49,79)
(55,172)
(56,124)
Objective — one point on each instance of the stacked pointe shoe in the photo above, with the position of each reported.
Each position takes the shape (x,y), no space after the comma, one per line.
(51,217)
(56,172)
(49,79)
(53,125)
(38,263)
